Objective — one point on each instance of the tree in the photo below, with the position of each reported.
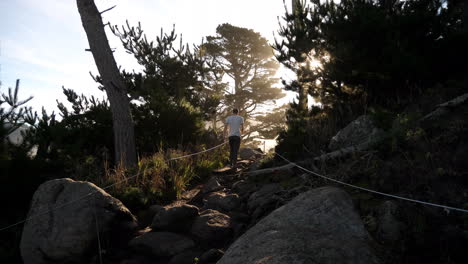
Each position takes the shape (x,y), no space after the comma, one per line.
(380,54)
(271,124)
(124,138)
(383,52)
(16,115)
(247,59)
(172,89)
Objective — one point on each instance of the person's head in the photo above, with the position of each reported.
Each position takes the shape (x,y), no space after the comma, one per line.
(235,111)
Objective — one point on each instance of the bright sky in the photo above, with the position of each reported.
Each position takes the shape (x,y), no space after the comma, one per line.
(43,42)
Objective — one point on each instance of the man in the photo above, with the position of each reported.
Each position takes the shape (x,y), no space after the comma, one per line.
(236,128)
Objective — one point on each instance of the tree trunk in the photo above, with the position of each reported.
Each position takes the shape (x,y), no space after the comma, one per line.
(124,135)
(303,89)
(303,98)
(237,89)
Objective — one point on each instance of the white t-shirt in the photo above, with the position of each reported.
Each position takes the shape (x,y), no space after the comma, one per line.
(234,123)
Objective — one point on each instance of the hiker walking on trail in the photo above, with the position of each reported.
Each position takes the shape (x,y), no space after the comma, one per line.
(236,128)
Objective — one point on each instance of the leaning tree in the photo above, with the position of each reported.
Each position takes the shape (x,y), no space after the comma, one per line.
(124,138)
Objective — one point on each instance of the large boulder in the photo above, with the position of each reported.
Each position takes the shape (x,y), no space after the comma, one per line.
(175,218)
(319,226)
(162,244)
(360,131)
(66,216)
(263,201)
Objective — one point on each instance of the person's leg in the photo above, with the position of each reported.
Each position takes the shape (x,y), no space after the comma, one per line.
(231,148)
(236,149)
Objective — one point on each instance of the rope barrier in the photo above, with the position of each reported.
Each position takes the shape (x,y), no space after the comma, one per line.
(197,153)
(103,188)
(97,231)
(215,147)
(372,191)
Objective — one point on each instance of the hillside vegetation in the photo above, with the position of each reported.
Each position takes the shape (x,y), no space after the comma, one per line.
(395,63)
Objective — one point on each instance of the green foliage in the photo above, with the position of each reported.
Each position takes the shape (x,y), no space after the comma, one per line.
(269,125)
(388,52)
(246,58)
(308,134)
(20,174)
(171,97)
(382,118)
(161,180)
(16,114)
(374,57)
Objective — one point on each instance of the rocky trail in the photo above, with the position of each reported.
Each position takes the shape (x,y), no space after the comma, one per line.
(243,215)
(237,216)
(207,219)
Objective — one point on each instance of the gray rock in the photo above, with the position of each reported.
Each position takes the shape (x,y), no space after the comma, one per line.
(248,154)
(264,196)
(186,257)
(222,202)
(360,131)
(389,228)
(319,226)
(212,185)
(154,209)
(211,256)
(175,218)
(137,260)
(243,188)
(212,227)
(162,244)
(67,232)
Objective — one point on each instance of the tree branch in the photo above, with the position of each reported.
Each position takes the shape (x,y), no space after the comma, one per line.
(108,9)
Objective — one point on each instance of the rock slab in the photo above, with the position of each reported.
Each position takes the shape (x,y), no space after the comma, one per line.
(360,131)
(319,226)
(67,233)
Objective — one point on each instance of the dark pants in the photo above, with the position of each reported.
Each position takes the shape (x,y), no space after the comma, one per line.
(234,144)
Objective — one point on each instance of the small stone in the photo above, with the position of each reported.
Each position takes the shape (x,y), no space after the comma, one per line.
(212,185)
(162,244)
(211,256)
(175,218)
(212,227)
(222,201)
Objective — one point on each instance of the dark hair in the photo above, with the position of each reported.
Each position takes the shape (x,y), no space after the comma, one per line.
(235,110)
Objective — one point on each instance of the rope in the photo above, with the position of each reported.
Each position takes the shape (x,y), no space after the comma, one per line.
(97,230)
(197,153)
(372,191)
(103,188)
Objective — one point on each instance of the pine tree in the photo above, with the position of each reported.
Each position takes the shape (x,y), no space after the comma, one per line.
(246,58)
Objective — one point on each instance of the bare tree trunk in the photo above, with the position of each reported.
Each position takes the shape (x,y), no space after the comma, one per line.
(124,135)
